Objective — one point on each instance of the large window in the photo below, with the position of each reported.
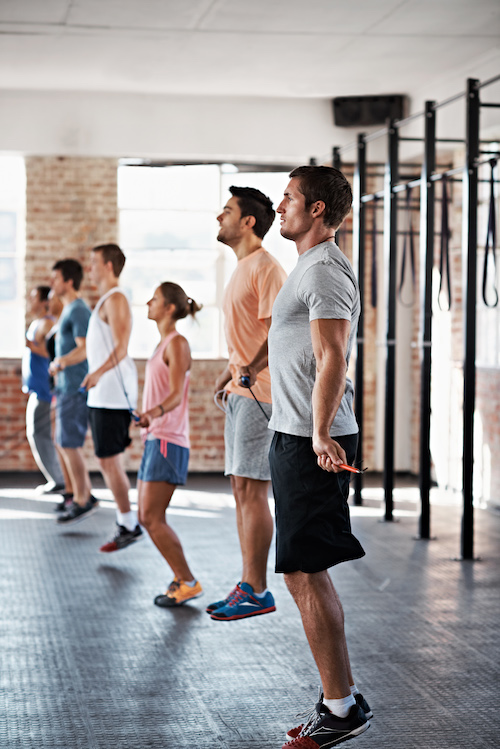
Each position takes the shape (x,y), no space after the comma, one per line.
(12,250)
(168,231)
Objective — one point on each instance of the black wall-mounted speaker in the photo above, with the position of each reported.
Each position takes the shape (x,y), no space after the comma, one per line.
(364,111)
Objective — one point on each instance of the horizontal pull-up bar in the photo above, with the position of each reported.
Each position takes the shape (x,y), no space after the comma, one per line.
(448,173)
(489,81)
(490,104)
(406,185)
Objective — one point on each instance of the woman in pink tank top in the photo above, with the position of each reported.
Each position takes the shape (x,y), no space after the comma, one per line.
(165,433)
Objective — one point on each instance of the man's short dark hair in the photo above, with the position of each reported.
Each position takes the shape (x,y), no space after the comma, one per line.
(43,292)
(111,253)
(71,270)
(329,185)
(253,202)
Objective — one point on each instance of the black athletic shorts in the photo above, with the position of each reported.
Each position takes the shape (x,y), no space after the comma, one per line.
(109,428)
(313,527)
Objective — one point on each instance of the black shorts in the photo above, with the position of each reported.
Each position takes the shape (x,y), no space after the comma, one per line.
(109,428)
(313,526)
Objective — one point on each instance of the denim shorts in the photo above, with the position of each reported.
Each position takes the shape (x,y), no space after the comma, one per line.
(164,461)
(71,419)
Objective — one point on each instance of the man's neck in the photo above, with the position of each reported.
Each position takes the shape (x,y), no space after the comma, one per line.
(246,246)
(69,297)
(313,238)
(106,285)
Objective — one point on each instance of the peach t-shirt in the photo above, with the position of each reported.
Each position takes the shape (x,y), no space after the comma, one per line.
(248,301)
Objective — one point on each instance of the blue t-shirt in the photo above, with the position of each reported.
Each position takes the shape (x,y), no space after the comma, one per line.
(73,324)
(35,368)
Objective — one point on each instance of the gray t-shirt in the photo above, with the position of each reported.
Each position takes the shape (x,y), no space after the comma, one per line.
(322,286)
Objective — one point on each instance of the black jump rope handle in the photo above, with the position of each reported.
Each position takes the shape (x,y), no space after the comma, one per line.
(245,381)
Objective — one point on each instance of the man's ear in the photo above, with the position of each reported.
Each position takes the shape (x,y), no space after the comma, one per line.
(318,208)
(249,221)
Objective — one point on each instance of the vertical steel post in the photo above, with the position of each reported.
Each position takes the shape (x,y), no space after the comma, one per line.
(358,258)
(336,160)
(469,267)
(390,260)
(426,265)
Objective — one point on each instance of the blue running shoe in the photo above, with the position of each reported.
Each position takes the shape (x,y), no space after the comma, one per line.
(243,604)
(219,604)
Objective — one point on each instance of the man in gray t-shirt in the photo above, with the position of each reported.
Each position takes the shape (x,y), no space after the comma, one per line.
(313,327)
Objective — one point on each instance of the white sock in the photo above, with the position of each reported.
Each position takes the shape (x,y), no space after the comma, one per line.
(354,690)
(261,595)
(127,519)
(340,708)
(191,583)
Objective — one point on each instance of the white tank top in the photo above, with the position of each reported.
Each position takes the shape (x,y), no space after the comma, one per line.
(117,388)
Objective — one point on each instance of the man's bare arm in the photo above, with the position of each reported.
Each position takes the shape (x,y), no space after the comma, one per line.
(329,340)
(75,356)
(259,362)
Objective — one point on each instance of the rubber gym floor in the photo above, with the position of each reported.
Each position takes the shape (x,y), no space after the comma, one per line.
(88,662)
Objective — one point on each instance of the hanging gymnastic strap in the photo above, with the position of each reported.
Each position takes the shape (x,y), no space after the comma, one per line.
(409,240)
(444,254)
(374,255)
(491,242)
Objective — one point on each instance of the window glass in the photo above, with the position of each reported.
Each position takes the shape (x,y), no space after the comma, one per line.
(168,231)
(12,240)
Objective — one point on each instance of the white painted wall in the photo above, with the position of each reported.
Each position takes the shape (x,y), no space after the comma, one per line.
(177,127)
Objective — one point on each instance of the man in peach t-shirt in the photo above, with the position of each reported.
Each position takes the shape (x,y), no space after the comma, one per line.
(248,301)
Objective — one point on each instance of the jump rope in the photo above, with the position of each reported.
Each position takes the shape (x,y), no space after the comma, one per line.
(245,382)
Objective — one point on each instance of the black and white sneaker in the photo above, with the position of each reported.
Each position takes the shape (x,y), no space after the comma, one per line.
(122,538)
(65,502)
(324,730)
(360,700)
(75,512)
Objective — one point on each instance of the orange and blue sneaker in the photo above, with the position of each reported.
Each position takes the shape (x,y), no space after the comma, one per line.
(178,592)
(244,603)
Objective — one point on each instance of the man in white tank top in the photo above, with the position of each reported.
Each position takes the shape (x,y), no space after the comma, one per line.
(112,386)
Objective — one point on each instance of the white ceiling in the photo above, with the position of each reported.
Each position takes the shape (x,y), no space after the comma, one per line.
(272,48)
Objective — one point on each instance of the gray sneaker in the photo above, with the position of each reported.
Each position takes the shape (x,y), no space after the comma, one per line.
(75,513)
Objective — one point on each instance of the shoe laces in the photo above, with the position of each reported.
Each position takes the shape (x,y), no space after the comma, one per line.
(174,585)
(311,717)
(237,596)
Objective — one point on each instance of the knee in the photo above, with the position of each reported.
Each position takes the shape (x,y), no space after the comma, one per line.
(297,583)
(149,519)
(247,491)
(107,465)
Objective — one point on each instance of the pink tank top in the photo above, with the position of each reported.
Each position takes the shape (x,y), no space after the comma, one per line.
(173,426)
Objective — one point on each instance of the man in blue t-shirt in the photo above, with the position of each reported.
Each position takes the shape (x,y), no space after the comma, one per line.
(70,368)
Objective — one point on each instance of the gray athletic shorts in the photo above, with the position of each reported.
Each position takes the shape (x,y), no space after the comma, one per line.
(247,438)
